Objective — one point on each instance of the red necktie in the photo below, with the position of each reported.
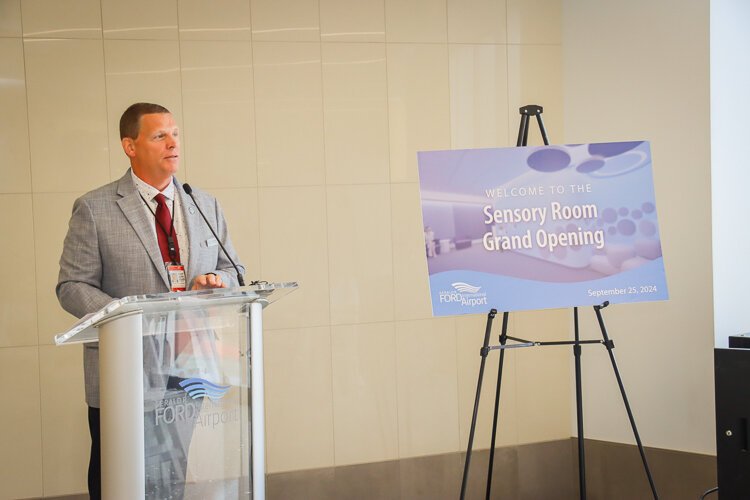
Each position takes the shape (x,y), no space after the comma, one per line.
(163,228)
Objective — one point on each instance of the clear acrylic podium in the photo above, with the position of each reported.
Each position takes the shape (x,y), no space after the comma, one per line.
(181,392)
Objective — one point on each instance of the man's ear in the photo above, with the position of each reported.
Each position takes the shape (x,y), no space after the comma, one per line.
(128,145)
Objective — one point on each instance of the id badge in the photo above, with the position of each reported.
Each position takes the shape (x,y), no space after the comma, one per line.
(177,278)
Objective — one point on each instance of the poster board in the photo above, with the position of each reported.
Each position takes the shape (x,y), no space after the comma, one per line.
(540,227)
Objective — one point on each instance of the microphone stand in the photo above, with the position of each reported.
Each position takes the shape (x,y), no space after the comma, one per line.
(189,191)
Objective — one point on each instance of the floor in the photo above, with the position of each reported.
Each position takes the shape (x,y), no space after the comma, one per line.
(539,471)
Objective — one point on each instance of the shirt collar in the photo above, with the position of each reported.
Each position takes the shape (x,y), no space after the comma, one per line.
(148,191)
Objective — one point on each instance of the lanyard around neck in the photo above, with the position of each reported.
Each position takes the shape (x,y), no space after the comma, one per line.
(169,234)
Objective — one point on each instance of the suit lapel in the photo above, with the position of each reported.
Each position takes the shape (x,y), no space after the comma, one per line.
(193,221)
(131,205)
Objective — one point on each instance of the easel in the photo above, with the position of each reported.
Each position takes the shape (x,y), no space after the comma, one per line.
(523,132)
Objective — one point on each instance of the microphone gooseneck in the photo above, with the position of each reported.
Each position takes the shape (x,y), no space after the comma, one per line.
(189,191)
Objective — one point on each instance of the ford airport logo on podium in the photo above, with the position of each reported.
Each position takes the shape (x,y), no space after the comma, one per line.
(198,388)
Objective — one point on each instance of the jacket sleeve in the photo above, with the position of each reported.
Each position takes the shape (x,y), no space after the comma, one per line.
(80,279)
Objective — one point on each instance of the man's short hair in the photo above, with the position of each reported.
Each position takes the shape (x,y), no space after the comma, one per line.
(130,121)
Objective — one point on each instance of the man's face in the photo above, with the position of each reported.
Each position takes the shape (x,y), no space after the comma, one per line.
(155,153)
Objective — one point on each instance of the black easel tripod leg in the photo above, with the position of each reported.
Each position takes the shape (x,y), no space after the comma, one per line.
(483,353)
(610,345)
(523,130)
(579,409)
(542,129)
(503,340)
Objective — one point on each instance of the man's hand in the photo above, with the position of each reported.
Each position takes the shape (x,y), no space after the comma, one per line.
(208,281)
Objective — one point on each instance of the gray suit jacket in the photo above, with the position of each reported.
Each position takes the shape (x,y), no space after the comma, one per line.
(111,252)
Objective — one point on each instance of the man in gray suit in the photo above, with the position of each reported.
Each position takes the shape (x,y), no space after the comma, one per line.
(136,236)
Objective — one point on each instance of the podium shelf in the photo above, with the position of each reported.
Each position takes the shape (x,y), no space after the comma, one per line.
(87,328)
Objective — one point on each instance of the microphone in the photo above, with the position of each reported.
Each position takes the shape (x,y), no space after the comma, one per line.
(189,191)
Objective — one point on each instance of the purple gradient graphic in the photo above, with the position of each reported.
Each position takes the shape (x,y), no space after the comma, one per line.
(590,165)
(609,215)
(626,227)
(548,160)
(610,149)
(647,228)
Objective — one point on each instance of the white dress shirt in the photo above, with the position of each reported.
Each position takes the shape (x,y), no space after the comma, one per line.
(149,192)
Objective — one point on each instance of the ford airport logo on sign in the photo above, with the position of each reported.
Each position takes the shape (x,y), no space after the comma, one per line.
(463,294)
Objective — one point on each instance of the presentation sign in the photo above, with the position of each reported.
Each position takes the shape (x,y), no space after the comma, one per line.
(540,227)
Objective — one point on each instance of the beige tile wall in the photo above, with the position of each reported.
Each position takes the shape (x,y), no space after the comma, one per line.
(304,118)
(675,396)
